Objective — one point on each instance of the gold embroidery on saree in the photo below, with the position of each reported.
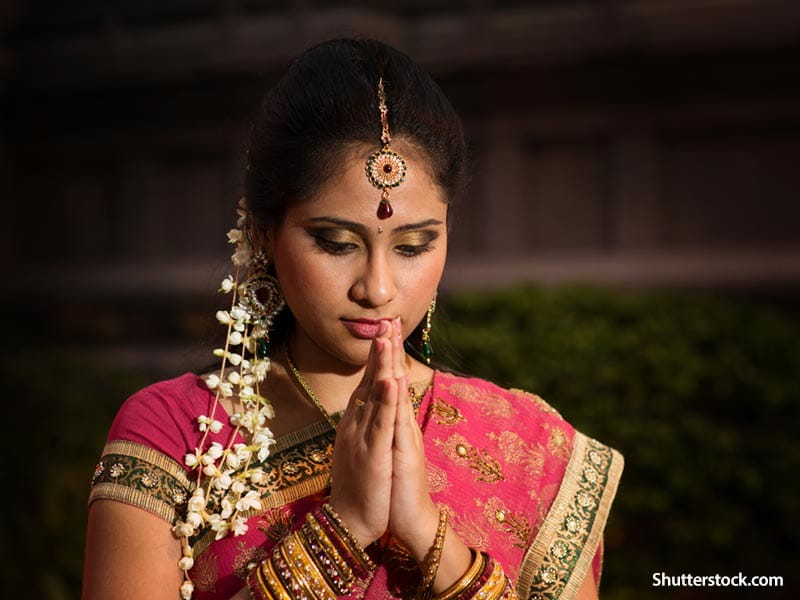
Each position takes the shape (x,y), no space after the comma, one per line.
(490,403)
(502,519)
(537,400)
(517,451)
(297,463)
(557,441)
(247,558)
(461,452)
(555,565)
(436,478)
(446,414)
(275,524)
(205,573)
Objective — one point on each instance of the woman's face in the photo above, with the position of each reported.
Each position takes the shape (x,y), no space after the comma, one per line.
(342,269)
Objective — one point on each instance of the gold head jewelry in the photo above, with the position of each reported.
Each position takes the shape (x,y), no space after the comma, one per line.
(385,168)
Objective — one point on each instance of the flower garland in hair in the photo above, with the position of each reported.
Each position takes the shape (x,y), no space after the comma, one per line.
(227,474)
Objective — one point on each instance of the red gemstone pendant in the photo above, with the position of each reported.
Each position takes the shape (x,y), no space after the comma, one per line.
(385,210)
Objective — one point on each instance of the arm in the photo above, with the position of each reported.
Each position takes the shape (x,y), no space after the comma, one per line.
(130,553)
(588,589)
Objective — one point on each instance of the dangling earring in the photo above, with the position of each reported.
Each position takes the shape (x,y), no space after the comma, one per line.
(427,350)
(262,296)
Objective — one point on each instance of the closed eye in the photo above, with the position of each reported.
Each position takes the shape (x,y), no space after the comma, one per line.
(412,250)
(335,248)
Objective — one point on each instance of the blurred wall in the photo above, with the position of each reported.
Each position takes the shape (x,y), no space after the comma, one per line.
(635,143)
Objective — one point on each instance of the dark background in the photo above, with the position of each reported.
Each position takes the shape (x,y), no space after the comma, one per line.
(647,150)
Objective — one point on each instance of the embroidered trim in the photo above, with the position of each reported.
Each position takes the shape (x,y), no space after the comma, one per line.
(557,562)
(138,475)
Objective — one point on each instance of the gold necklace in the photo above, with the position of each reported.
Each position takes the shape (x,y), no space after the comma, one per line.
(416,397)
(309,392)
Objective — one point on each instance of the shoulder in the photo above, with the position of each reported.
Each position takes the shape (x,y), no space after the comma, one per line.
(493,400)
(509,409)
(142,462)
(163,416)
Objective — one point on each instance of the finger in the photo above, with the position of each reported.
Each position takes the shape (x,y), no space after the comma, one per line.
(398,360)
(374,396)
(362,391)
(382,423)
(385,362)
(403,434)
(372,360)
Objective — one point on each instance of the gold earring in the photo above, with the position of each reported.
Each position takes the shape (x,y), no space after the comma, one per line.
(427,349)
(262,296)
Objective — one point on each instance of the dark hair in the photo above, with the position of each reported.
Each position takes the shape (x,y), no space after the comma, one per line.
(326,102)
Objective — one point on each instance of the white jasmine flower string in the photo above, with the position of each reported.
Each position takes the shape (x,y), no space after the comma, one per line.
(225,475)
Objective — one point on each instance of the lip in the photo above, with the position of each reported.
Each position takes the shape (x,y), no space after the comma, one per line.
(365,329)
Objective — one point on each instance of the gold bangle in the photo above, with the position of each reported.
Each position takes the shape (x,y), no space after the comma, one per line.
(330,550)
(324,564)
(475,569)
(435,556)
(298,586)
(512,593)
(262,586)
(349,539)
(313,579)
(269,579)
(495,585)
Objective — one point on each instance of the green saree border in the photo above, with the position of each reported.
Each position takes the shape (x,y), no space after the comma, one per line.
(141,476)
(558,559)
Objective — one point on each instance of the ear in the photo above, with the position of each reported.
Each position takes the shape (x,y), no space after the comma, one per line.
(263,239)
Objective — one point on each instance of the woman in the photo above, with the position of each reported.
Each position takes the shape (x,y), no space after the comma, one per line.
(437,486)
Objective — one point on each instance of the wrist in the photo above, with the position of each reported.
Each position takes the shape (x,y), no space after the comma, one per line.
(364,538)
(420,540)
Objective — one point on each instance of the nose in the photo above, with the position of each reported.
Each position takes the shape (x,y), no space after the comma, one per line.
(375,285)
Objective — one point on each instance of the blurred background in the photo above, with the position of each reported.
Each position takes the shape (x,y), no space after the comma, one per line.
(630,247)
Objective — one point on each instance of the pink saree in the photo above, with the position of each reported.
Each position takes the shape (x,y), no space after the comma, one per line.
(516,480)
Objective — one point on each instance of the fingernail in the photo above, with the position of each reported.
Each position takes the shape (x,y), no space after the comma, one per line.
(383,328)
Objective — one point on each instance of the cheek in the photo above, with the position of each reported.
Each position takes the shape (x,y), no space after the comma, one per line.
(303,275)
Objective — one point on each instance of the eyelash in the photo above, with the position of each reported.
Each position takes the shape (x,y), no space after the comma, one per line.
(341,248)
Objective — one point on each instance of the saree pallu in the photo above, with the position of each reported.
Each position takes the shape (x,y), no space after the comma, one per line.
(516,480)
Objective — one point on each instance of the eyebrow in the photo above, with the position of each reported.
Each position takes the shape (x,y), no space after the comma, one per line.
(361,229)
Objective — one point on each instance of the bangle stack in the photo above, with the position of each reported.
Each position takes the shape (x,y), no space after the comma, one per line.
(319,561)
(322,560)
(484,580)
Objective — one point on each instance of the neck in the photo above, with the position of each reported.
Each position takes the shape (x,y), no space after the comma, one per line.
(331,379)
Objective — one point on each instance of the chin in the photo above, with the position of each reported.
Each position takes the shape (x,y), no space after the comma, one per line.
(355,353)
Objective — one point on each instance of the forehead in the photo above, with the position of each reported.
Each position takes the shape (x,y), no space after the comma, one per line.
(348,193)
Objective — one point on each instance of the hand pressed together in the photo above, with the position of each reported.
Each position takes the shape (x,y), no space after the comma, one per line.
(378,472)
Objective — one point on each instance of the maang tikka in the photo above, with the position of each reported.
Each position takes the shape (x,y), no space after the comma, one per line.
(385,168)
